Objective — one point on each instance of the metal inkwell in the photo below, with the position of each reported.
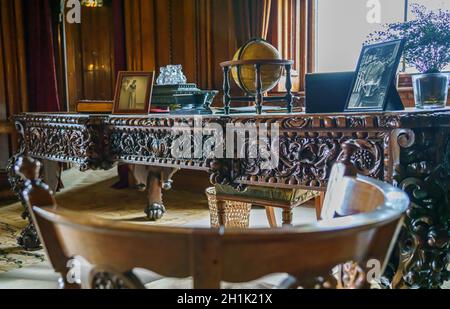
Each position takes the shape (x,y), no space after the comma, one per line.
(172,91)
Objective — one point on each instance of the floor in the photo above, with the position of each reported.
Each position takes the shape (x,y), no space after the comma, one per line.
(91,193)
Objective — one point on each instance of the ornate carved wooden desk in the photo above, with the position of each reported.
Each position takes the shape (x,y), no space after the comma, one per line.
(410,149)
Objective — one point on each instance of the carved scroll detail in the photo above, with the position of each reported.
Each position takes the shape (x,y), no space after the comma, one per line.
(28,237)
(424,243)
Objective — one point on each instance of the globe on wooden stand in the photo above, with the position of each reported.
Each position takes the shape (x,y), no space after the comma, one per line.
(257,68)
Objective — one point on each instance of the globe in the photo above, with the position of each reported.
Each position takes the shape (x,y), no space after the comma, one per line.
(244,75)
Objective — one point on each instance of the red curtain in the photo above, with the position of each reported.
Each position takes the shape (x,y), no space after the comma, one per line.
(42,80)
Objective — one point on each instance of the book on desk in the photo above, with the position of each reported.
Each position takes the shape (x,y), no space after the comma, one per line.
(105,107)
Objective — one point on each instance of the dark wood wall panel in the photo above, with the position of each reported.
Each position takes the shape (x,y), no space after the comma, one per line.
(3,102)
(162,20)
(98,54)
(13,81)
(4,143)
(223,38)
(74,65)
(205,61)
(183,36)
(13,46)
(90,56)
(197,34)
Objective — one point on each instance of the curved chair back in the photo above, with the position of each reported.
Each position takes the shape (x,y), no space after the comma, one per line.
(214,255)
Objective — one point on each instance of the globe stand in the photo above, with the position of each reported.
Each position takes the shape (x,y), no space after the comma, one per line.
(258,98)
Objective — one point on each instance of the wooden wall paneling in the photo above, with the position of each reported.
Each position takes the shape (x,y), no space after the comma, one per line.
(13,80)
(98,55)
(58,40)
(3,99)
(198,34)
(303,45)
(133,34)
(163,31)
(89,56)
(311,37)
(21,57)
(74,66)
(14,89)
(148,35)
(205,61)
(178,34)
(184,36)
(224,39)
(14,55)
(141,31)
(292,32)
(4,144)
(90,60)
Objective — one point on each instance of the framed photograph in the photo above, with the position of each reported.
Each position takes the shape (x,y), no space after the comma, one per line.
(374,76)
(133,93)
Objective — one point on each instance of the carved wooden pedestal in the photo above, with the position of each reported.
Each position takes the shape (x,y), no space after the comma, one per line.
(410,149)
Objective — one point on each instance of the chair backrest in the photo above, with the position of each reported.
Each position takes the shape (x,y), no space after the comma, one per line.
(349,194)
(214,255)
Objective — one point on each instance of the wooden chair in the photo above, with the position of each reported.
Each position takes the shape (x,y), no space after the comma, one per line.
(209,256)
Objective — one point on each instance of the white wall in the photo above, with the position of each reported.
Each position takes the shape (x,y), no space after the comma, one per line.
(343,26)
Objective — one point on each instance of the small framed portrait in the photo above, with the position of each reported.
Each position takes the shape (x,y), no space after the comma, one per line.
(374,76)
(133,93)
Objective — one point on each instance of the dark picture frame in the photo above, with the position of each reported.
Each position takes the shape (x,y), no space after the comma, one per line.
(374,81)
(133,92)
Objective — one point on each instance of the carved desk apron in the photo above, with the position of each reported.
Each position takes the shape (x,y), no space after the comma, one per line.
(410,149)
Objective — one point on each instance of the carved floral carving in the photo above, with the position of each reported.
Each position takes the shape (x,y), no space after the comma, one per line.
(307,161)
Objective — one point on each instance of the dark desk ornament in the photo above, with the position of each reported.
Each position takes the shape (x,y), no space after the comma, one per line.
(174,93)
(373,87)
(257,68)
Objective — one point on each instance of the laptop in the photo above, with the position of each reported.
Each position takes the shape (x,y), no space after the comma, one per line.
(327,92)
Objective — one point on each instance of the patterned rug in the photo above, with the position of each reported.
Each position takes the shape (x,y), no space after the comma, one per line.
(12,256)
(90,193)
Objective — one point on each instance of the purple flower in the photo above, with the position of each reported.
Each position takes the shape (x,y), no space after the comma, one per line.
(427,38)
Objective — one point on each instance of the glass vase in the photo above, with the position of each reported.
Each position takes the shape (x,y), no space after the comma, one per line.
(430,90)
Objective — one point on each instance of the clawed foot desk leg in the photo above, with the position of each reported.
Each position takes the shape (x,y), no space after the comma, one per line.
(154,179)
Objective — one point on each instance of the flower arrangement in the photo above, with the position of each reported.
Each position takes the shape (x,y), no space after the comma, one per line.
(427,38)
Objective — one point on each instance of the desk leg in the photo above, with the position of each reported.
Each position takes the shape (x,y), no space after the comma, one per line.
(221,213)
(270,212)
(287,216)
(154,180)
(423,171)
(318,201)
(52,174)
(28,238)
